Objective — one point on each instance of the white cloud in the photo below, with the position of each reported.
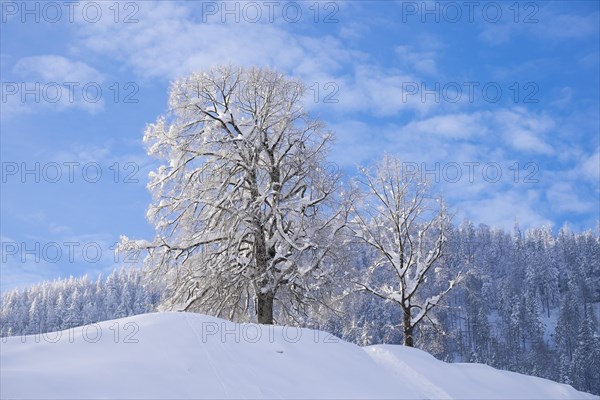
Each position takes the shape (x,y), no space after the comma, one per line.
(52,82)
(564,97)
(59,229)
(563,197)
(67,255)
(590,60)
(590,168)
(356,143)
(423,62)
(543,20)
(572,26)
(501,209)
(382,92)
(524,131)
(521,130)
(476,146)
(167,43)
(353,30)
(53,68)
(32,217)
(451,126)
(20,275)
(497,33)
(83,154)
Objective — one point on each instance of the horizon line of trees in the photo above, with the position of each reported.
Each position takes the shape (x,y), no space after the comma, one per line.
(66,303)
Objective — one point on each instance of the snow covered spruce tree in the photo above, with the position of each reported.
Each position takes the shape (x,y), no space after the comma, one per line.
(407,230)
(244,204)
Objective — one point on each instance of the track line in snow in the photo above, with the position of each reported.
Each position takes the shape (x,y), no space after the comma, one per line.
(209,359)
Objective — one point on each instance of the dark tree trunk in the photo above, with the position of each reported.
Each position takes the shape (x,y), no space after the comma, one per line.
(408,329)
(264,301)
(265,308)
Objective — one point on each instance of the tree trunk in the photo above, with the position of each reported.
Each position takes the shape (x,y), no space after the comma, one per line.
(408,329)
(265,308)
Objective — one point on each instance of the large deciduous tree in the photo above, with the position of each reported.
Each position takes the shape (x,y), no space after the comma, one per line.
(407,229)
(243,204)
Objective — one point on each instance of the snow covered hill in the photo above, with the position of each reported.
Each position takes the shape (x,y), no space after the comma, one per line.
(184,355)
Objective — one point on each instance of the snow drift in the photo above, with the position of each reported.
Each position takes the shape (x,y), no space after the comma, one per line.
(185,355)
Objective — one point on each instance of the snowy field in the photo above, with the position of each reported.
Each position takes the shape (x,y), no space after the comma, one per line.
(184,355)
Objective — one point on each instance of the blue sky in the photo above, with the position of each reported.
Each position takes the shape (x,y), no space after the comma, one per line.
(498,102)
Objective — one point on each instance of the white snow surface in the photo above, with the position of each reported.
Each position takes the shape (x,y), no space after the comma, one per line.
(186,355)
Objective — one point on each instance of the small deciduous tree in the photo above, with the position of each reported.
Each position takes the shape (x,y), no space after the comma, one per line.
(408,231)
(243,204)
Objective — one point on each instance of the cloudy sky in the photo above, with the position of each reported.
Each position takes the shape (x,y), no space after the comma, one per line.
(497,102)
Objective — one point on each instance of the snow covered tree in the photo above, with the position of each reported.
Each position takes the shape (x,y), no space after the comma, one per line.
(567,326)
(243,205)
(408,231)
(61,312)
(36,320)
(99,294)
(65,303)
(74,315)
(585,370)
(113,300)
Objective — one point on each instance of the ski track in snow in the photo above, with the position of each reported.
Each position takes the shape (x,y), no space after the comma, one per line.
(209,359)
(192,320)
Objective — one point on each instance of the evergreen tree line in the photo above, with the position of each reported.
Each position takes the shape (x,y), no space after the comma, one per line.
(67,303)
(527,303)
